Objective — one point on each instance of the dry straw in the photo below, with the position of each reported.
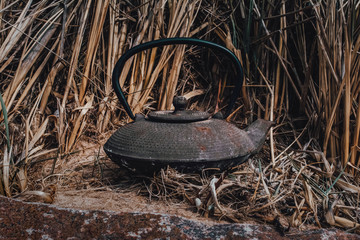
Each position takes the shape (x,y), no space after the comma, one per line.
(301,62)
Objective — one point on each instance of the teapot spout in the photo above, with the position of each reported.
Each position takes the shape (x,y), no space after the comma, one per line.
(257,132)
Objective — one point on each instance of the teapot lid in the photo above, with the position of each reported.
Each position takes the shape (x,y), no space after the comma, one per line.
(180,114)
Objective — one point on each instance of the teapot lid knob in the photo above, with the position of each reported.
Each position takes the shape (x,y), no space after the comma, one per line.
(179,103)
(180,115)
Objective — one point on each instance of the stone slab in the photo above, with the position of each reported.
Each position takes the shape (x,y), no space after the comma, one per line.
(23,220)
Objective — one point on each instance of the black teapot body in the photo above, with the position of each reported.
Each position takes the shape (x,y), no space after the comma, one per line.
(186,140)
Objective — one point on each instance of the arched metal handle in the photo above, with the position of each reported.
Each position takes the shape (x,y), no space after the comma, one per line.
(170,41)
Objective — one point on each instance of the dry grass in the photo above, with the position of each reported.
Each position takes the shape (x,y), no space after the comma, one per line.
(296,193)
(301,62)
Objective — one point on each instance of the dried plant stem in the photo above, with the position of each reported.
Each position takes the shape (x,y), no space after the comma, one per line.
(29,57)
(95,33)
(278,54)
(70,81)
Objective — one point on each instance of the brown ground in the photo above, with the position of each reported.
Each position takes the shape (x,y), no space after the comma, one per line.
(124,202)
(89,180)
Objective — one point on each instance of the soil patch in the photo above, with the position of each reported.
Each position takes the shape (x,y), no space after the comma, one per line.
(89,180)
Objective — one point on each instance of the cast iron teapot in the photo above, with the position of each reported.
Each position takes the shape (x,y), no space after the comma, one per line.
(186,140)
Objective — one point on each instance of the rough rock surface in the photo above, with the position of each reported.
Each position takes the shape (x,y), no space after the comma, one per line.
(21,220)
